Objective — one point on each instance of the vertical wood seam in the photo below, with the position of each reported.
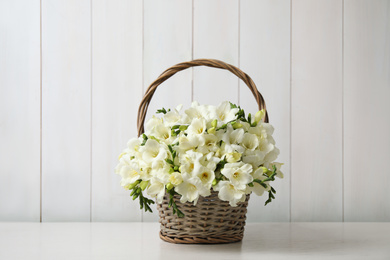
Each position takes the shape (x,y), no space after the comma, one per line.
(40,111)
(143,64)
(290,156)
(239,53)
(90,140)
(192,52)
(342,110)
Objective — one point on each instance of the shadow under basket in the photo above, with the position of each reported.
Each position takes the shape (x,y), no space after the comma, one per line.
(211,221)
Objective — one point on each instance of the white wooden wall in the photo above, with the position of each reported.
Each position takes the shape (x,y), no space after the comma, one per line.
(72,73)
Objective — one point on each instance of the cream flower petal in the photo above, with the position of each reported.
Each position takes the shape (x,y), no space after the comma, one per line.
(228,192)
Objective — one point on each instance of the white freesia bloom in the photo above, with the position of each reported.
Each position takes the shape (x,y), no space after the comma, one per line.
(255,158)
(206,176)
(207,144)
(189,142)
(232,136)
(239,174)
(201,149)
(156,189)
(191,188)
(228,192)
(133,146)
(210,161)
(152,123)
(257,188)
(175,178)
(197,126)
(250,141)
(152,150)
(190,162)
(172,118)
(162,132)
(160,169)
(271,156)
(225,113)
(128,170)
(278,165)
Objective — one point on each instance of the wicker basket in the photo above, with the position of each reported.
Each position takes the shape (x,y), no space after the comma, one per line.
(211,221)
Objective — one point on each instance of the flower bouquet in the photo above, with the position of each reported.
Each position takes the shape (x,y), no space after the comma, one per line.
(200,165)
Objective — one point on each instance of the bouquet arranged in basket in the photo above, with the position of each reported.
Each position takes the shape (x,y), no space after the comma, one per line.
(201,164)
(203,149)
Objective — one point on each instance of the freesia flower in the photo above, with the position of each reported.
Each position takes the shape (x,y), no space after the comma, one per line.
(190,189)
(225,113)
(228,192)
(152,150)
(162,133)
(239,174)
(206,176)
(152,123)
(197,126)
(156,189)
(203,148)
(175,178)
(128,170)
(278,165)
(250,142)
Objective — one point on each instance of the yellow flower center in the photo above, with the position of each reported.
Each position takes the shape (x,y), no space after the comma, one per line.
(236,174)
(133,173)
(192,166)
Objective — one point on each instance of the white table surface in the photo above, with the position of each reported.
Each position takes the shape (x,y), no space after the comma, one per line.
(140,241)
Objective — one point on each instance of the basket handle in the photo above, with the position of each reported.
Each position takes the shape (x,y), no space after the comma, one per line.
(143,107)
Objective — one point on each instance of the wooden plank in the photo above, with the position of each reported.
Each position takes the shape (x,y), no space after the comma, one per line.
(66,95)
(19,111)
(366,110)
(316,157)
(265,57)
(117,89)
(215,37)
(167,41)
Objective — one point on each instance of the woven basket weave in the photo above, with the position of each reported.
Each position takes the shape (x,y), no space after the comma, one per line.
(211,221)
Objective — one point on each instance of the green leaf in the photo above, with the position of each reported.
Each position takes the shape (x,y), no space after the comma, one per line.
(169,161)
(172,204)
(162,111)
(232,105)
(145,139)
(261,183)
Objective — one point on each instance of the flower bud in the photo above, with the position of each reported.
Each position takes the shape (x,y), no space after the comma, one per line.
(237,125)
(214,123)
(259,116)
(169,186)
(131,186)
(233,157)
(264,169)
(175,178)
(183,127)
(144,184)
(211,130)
(215,182)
